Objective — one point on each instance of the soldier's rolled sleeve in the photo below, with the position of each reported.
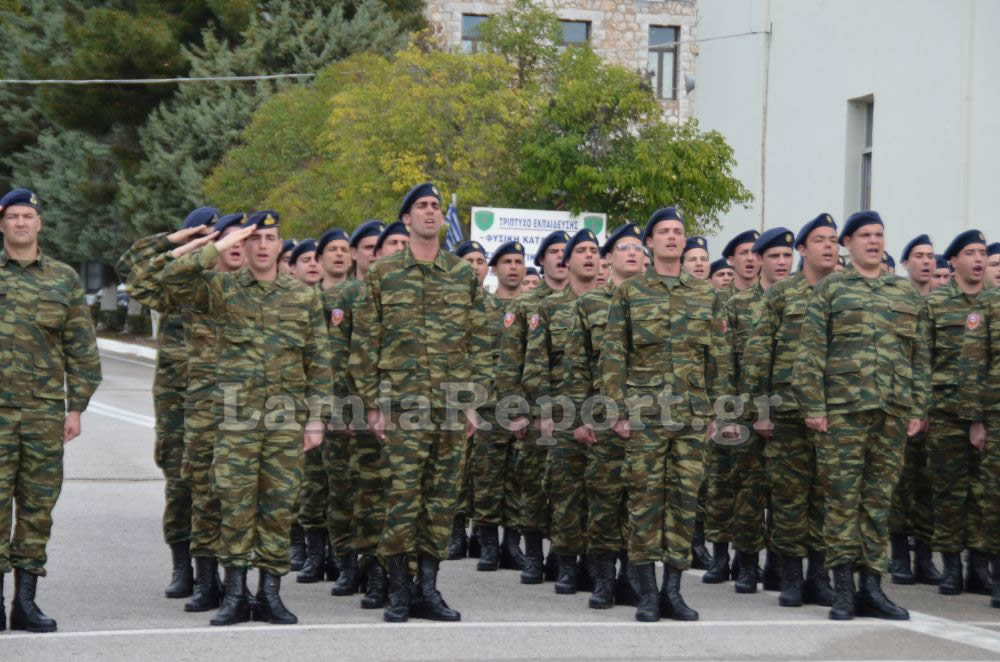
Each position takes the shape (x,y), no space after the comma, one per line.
(142,250)
(614,349)
(82,360)
(144,285)
(190,279)
(810,363)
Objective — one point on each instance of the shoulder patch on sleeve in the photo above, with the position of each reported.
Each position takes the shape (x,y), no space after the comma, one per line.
(336,316)
(533,321)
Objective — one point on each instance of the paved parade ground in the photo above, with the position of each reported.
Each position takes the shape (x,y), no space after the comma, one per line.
(108,566)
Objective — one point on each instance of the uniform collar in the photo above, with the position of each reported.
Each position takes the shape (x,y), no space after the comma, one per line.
(40,260)
(685,279)
(440,260)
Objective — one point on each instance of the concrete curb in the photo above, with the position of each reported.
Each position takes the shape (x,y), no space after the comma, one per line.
(128,349)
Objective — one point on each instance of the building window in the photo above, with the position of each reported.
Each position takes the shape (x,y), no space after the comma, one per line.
(575,32)
(470,32)
(866,158)
(663,60)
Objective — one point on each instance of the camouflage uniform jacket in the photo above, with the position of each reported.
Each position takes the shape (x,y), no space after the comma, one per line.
(339,303)
(979,367)
(739,313)
(952,316)
(544,374)
(583,345)
(514,341)
(496,316)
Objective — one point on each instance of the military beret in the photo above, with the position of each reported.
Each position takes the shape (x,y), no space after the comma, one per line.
(665,214)
(857,220)
(919,240)
(268,218)
(372,228)
(285,247)
(557,237)
(333,234)
(887,259)
(396,227)
(463,248)
(695,242)
(201,216)
(415,193)
(774,238)
(627,230)
(941,263)
(721,263)
(581,236)
(993,249)
(229,220)
(824,220)
(515,247)
(531,271)
(963,240)
(842,261)
(304,246)
(747,237)
(20,196)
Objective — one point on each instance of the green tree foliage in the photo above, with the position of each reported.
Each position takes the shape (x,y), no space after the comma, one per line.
(527,36)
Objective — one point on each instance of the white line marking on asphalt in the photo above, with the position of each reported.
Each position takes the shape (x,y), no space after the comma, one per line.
(115,357)
(957,631)
(121,414)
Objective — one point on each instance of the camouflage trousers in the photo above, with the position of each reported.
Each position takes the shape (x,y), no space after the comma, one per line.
(258,474)
(736,494)
(467,492)
(31,475)
(492,472)
(861,456)
(564,485)
(913,500)
(337,450)
(989,486)
(797,489)
(201,426)
(664,470)
(425,470)
(370,475)
(532,460)
(606,494)
(314,492)
(957,501)
(168,453)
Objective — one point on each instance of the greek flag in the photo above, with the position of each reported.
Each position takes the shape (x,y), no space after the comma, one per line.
(454,236)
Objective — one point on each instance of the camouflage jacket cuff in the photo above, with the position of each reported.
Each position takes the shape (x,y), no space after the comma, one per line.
(77,404)
(208,256)
(815,413)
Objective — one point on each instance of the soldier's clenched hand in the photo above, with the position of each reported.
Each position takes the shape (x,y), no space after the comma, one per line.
(817,424)
(376,423)
(977,436)
(313,435)
(71,428)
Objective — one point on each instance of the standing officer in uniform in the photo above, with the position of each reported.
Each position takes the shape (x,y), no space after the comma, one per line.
(695,259)
(861,379)
(740,256)
(531,280)
(720,274)
(304,263)
(333,250)
(942,272)
(47,339)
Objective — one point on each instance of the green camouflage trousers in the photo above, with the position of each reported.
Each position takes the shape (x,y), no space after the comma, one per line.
(168,453)
(467,492)
(313,495)
(664,471)
(797,490)
(564,485)
(31,475)
(257,476)
(606,492)
(735,494)
(912,510)
(957,504)
(861,456)
(425,469)
(337,451)
(989,486)
(532,459)
(510,511)
(370,476)
(492,455)
(201,425)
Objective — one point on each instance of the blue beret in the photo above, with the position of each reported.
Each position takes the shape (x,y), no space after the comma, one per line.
(941,263)
(721,263)
(557,237)
(267,218)
(993,249)
(857,220)
(627,230)
(396,227)
(919,240)
(304,246)
(824,220)
(665,214)
(747,237)
(580,236)
(887,259)
(695,242)
(372,228)
(20,196)
(963,240)
(229,220)
(774,238)
(285,247)
(531,271)
(515,247)
(201,216)
(415,193)
(333,234)
(463,248)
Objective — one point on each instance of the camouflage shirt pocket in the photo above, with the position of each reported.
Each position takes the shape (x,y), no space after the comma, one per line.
(842,381)
(399,308)
(699,324)
(847,317)
(293,322)
(904,322)
(51,310)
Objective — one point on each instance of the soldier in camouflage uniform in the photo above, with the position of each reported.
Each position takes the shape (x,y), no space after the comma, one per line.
(50,369)
(860,379)
(796,487)
(720,274)
(953,311)
(659,367)
(520,319)
(274,364)
(421,326)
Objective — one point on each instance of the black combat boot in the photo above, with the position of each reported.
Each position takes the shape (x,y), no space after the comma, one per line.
(584,580)
(551,565)
(649,601)
(791,581)
(951,580)
(206,585)
(489,555)
(700,558)
(602,568)
(533,572)
(899,560)
(235,604)
(672,605)
(330,568)
(626,588)
(719,572)
(924,570)
(977,575)
(428,603)
(458,545)
(871,601)
(771,579)
(182,577)
(375,596)
(297,539)
(746,580)
(994,600)
(3,612)
(566,582)
(511,556)
(269,606)
(817,589)
(475,543)
(315,566)
(398,608)
(347,582)
(24,613)
(843,593)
